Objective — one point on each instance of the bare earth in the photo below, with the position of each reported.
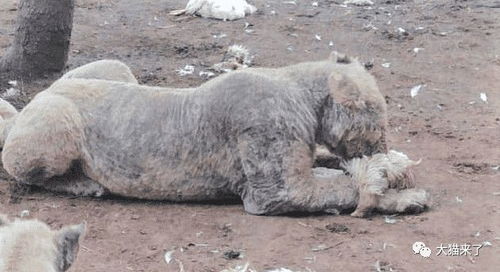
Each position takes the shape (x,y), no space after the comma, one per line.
(446,124)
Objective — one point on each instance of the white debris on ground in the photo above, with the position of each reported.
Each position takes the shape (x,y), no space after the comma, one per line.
(483,97)
(401,31)
(318,37)
(25,213)
(11,93)
(169,256)
(390,219)
(236,57)
(458,199)
(417,49)
(205,74)
(320,247)
(359,2)
(386,64)
(219,36)
(415,90)
(246,268)
(239,268)
(13,83)
(187,70)
(218,9)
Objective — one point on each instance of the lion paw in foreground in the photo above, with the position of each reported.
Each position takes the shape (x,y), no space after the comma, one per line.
(250,134)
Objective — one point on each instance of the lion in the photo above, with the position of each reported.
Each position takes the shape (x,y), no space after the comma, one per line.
(250,134)
(30,245)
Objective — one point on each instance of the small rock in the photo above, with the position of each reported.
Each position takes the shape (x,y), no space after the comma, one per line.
(231,254)
(337,228)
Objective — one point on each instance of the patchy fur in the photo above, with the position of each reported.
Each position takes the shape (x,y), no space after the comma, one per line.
(250,134)
(102,69)
(30,245)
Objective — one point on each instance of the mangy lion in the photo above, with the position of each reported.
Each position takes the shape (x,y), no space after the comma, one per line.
(250,134)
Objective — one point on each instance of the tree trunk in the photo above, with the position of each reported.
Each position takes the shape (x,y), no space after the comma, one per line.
(42,39)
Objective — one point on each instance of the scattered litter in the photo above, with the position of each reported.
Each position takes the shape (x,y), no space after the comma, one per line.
(205,74)
(187,70)
(219,36)
(314,4)
(321,247)
(13,83)
(281,269)
(197,245)
(25,213)
(239,268)
(11,93)
(417,49)
(232,254)
(458,199)
(273,12)
(390,219)
(382,266)
(414,91)
(483,97)
(487,243)
(181,266)
(310,259)
(495,167)
(217,9)
(290,3)
(169,256)
(369,26)
(330,43)
(443,33)
(386,64)
(337,228)
(401,31)
(358,2)
(386,245)
(477,234)
(318,37)
(289,48)
(304,224)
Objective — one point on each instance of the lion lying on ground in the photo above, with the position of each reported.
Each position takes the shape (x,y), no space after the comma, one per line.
(30,245)
(249,133)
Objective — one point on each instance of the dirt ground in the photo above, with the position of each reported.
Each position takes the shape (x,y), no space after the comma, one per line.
(447,124)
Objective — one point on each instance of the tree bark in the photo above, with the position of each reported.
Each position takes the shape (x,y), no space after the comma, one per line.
(42,38)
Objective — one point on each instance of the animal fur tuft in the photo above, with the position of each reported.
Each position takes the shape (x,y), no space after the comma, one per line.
(236,57)
(378,173)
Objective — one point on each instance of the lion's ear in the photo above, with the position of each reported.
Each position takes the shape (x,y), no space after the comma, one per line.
(344,91)
(337,57)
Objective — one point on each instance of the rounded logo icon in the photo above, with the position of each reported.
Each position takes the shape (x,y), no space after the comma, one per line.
(425,252)
(417,246)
